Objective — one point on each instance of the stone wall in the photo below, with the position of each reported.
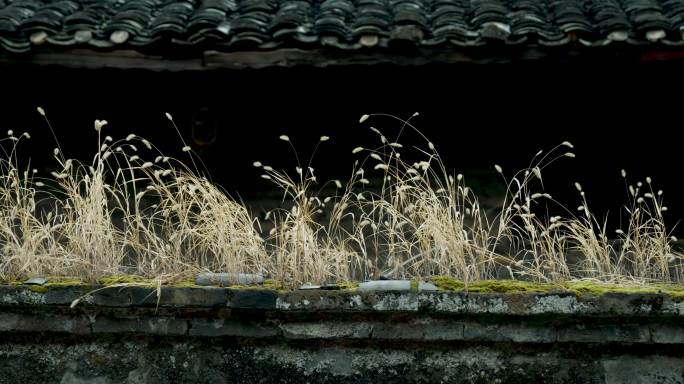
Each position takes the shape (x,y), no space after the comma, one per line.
(217,335)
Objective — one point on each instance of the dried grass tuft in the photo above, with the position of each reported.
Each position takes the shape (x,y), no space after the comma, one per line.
(133,210)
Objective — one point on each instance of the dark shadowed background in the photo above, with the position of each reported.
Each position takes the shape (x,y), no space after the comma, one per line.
(617,116)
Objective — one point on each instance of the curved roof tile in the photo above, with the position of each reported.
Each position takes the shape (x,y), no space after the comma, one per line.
(231,25)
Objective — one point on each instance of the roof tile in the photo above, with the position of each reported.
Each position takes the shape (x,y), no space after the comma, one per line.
(345,24)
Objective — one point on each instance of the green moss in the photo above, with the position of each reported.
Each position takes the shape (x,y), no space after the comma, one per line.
(443,283)
(674,290)
(446,283)
(594,288)
(245,286)
(507,286)
(590,287)
(38,288)
(346,285)
(123,279)
(274,285)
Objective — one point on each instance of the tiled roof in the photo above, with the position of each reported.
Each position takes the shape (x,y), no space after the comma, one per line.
(236,25)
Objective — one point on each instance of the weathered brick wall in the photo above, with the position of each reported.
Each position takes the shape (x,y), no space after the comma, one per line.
(249,336)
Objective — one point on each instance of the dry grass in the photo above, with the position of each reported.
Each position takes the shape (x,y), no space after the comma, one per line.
(429,222)
(122,214)
(132,210)
(304,250)
(27,244)
(423,220)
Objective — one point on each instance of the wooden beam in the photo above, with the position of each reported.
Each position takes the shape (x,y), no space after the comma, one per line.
(82,58)
(319,58)
(662,56)
(326,58)
(208,60)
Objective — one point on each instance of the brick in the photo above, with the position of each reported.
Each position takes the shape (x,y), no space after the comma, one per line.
(327,330)
(221,327)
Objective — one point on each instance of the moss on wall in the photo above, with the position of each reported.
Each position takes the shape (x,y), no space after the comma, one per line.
(579,287)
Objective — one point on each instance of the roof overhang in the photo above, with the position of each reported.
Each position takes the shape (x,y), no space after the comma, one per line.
(290,57)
